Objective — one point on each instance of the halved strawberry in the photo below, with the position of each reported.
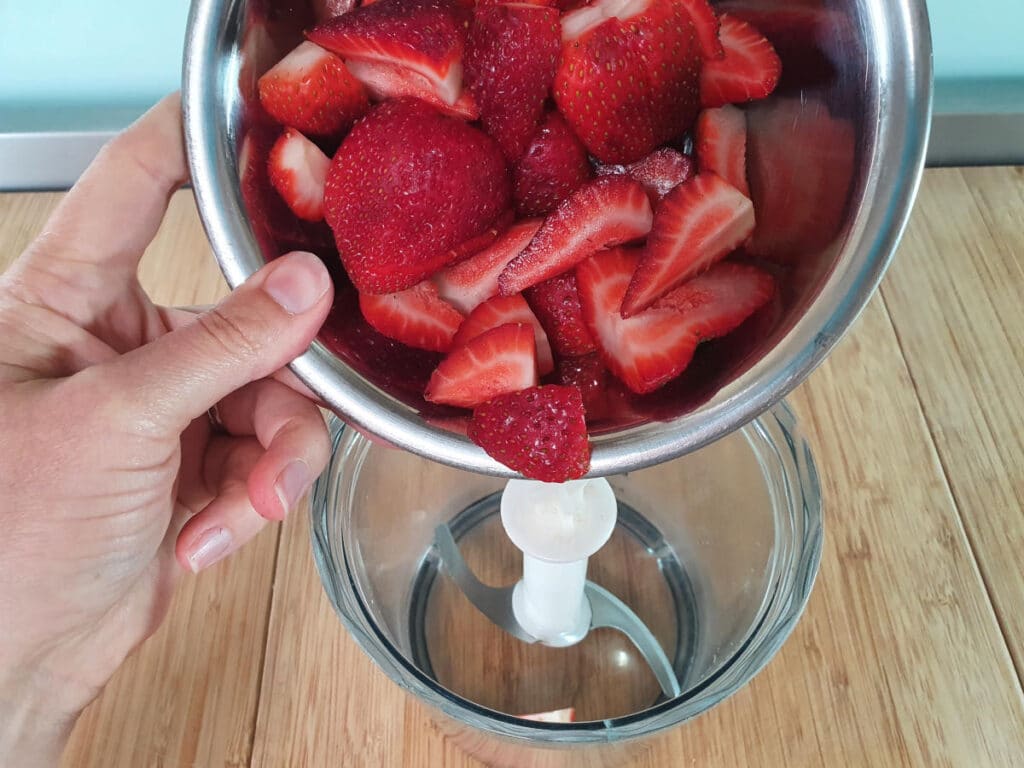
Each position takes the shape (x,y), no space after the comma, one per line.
(511,57)
(750,69)
(721,142)
(556,303)
(500,310)
(390,81)
(417,317)
(298,170)
(659,172)
(698,223)
(498,361)
(539,432)
(553,166)
(606,211)
(705,22)
(311,90)
(645,351)
(718,301)
(425,36)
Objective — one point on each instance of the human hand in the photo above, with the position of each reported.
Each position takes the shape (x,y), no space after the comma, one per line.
(112,477)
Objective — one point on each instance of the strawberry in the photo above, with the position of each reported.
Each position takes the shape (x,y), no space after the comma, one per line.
(645,351)
(469,283)
(607,211)
(697,224)
(721,142)
(718,301)
(405,187)
(498,361)
(475,244)
(389,81)
(325,10)
(750,69)
(589,375)
(500,310)
(511,56)
(553,166)
(659,172)
(629,78)
(417,317)
(298,170)
(556,303)
(539,432)
(312,91)
(706,25)
(425,36)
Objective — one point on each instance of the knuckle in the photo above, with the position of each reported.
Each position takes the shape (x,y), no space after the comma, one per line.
(236,339)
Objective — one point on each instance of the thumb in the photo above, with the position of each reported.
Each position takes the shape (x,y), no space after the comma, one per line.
(262,326)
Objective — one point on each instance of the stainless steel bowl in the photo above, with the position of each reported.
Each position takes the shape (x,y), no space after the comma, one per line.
(840,148)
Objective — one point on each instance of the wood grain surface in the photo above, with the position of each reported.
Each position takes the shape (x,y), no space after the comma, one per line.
(905,656)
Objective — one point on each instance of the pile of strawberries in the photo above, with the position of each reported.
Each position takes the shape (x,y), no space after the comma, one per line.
(510,189)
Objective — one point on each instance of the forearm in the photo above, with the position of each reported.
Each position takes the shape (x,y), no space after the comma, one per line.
(34,727)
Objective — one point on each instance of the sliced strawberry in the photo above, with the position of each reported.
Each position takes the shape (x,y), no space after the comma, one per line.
(389,81)
(589,375)
(511,57)
(425,36)
(721,142)
(417,317)
(540,432)
(553,166)
(298,170)
(469,283)
(311,90)
(705,22)
(474,245)
(629,77)
(406,187)
(499,361)
(718,301)
(325,10)
(660,172)
(750,69)
(697,224)
(607,211)
(501,310)
(567,715)
(645,351)
(556,303)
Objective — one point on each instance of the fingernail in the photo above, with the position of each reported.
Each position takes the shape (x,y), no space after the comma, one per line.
(210,547)
(298,282)
(292,483)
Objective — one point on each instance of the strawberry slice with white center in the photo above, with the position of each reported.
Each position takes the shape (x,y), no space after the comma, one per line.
(645,351)
(607,211)
(425,36)
(298,171)
(500,310)
(696,224)
(705,22)
(389,81)
(497,362)
(469,283)
(749,70)
(717,302)
(721,142)
(417,317)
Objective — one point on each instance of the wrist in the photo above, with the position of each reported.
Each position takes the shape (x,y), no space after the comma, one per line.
(35,721)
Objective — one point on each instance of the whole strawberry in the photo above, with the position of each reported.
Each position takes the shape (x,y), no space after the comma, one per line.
(554,165)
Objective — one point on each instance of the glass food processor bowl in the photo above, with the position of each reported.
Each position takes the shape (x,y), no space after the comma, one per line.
(715,553)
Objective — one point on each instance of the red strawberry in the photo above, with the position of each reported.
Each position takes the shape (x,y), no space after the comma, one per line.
(325,10)
(474,245)
(417,317)
(697,224)
(717,302)
(469,283)
(539,432)
(705,22)
(721,141)
(511,57)
(310,89)
(406,186)
(659,172)
(645,351)
(631,82)
(590,376)
(500,310)
(498,361)
(389,81)
(607,211)
(298,170)
(553,166)
(425,36)
(556,303)
(750,69)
